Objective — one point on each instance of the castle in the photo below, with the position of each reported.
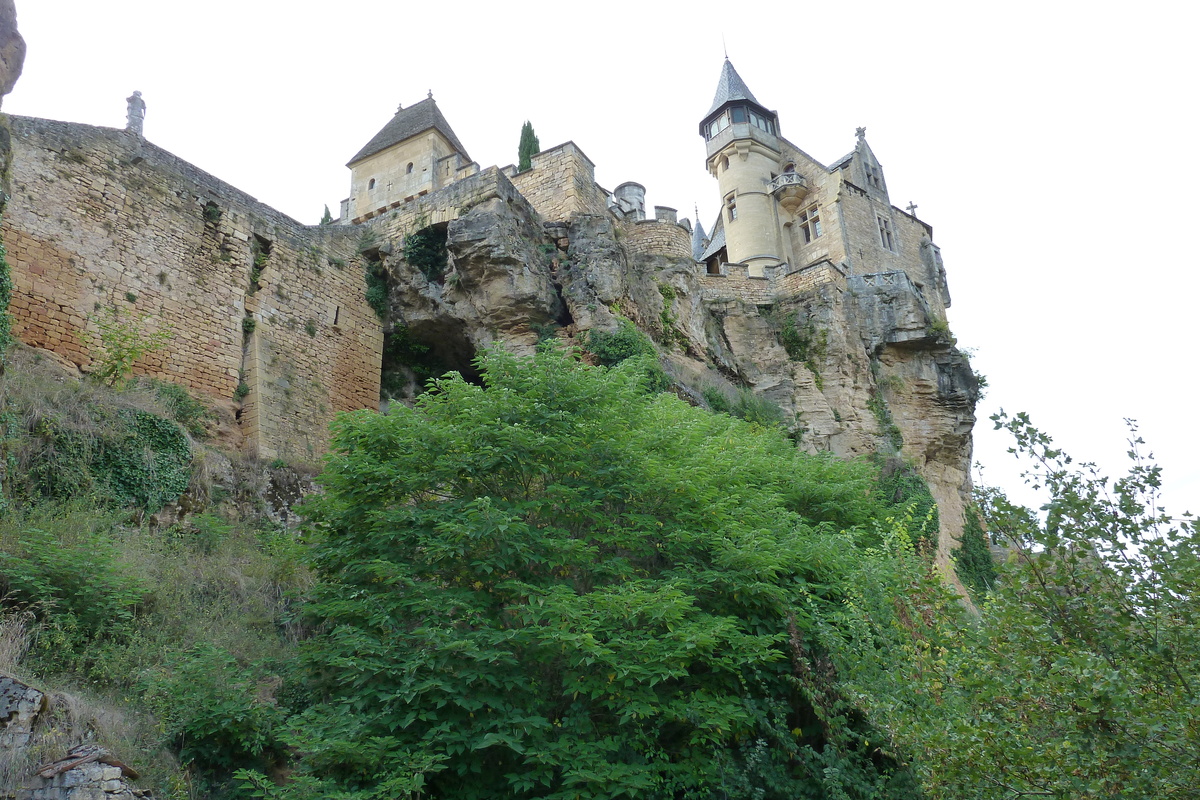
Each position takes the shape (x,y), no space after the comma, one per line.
(270,314)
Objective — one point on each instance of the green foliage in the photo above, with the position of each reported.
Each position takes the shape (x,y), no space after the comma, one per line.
(248,325)
(1078,680)
(666,317)
(241,391)
(310,327)
(744,405)
(901,486)
(527,148)
(211,213)
(326,218)
(973,559)
(426,250)
(401,352)
(377,288)
(804,343)
(612,347)
(556,585)
(122,340)
(211,708)
(189,412)
(939,327)
(64,563)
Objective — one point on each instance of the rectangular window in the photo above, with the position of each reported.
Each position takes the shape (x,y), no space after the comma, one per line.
(739,114)
(885,234)
(731,207)
(810,223)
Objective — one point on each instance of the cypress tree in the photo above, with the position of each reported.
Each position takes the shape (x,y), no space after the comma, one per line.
(528,146)
(327,218)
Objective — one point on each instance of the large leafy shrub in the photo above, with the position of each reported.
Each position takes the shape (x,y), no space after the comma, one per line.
(556,585)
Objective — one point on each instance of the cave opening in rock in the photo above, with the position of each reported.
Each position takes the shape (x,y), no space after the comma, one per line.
(426,250)
(412,356)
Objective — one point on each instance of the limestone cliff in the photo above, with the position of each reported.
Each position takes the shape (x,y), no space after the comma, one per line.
(859,364)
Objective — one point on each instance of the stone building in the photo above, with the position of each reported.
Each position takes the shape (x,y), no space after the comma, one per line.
(783,212)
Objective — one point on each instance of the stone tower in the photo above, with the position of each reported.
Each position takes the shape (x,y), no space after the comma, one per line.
(744,155)
(416,153)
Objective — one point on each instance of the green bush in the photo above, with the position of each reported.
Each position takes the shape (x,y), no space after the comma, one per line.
(612,347)
(189,412)
(64,563)
(212,710)
(557,585)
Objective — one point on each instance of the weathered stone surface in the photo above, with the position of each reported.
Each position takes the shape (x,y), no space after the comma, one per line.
(20,705)
(12,48)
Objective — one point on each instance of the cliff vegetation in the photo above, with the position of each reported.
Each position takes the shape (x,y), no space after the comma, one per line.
(561,582)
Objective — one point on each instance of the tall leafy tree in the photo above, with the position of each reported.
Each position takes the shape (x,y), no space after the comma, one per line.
(558,585)
(1081,677)
(527,148)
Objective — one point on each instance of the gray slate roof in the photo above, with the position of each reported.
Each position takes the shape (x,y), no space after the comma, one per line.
(410,122)
(731,87)
(698,238)
(718,238)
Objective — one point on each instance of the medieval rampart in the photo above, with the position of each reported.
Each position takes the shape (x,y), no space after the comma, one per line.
(258,305)
(777,284)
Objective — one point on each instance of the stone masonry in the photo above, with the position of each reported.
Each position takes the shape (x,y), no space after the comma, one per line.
(100,219)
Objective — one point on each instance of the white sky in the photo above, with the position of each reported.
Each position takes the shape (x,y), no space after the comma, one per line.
(1048,143)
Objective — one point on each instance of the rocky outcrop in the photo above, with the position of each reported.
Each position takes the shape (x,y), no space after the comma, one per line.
(12,48)
(858,364)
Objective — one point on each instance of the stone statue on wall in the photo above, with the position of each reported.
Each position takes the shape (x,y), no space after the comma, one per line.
(136,114)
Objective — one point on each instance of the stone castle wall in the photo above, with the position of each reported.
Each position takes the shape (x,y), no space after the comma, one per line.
(736,283)
(561,181)
(658,238)
(860,215)
(100,219)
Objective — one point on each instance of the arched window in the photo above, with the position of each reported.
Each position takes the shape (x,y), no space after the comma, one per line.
(408,169)
(371,185)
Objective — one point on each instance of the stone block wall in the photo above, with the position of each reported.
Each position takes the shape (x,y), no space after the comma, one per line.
(561,182)
(91,781)
(658,238)
(738,284)
(860,214)
(100,219)
(443,205)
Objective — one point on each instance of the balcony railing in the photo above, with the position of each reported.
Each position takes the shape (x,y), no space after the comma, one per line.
(786,180)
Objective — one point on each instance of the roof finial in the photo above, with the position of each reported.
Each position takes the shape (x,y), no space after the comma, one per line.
(861,133)
(399,108)
(724,47)
(431,94)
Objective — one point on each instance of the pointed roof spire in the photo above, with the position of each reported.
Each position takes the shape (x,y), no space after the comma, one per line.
(407,123)
(731,87)
(699,240)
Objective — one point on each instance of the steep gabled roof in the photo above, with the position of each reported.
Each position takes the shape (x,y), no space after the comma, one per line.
(731,87)
(718,239)
(407,123)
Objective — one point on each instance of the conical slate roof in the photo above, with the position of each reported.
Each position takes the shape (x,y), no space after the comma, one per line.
(407,123)
(698,238)
(731,87)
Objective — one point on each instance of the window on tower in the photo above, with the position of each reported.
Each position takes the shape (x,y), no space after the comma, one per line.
(810,223)
(885,234)
(731,207)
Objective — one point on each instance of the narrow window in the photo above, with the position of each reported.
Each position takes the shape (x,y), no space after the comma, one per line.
(731,207)
(371,185)
(885,234)
(739,114)
(408,169)
(810,223)
(337,313)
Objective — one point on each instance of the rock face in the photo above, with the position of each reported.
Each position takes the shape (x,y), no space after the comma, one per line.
(858,364)
(12,48)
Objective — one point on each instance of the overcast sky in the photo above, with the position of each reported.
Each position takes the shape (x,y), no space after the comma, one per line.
(1049,144)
